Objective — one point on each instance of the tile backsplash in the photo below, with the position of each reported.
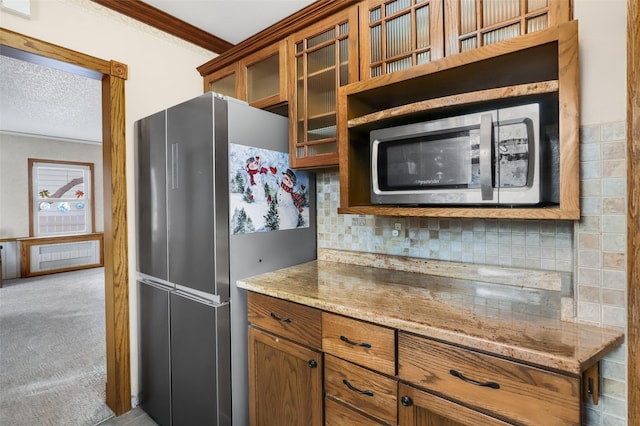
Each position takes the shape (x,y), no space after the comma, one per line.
(524,244)
(592,249)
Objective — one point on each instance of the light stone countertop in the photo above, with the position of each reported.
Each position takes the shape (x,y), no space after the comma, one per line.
(506,320)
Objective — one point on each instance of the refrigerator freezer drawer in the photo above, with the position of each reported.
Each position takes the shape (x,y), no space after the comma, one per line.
(200,363)
(155,375)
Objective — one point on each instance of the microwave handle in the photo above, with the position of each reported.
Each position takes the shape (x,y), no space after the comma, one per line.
(486,175)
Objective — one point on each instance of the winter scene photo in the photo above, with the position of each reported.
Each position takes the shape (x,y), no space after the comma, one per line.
(264,194)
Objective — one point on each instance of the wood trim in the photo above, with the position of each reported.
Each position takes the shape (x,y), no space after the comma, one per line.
(156,18)
(52,51)
(633,215)
(118,390)
(116,248)
(560,11)
(569,111)
(118,69)
(281,29)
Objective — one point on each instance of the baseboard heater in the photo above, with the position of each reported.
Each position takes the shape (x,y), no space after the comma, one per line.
(45,255)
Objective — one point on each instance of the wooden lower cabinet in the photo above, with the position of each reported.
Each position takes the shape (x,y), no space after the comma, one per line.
(419,408)
(338,414)
(361,388)
(285,382)
(507,389)
(369,374)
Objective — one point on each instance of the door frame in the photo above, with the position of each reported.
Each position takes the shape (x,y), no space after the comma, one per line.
(113,75)
(633,213)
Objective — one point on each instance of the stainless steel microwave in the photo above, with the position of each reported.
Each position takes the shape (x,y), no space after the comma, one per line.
(491,157)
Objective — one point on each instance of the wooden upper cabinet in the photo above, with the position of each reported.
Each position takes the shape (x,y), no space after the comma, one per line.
(474,23)
(264,75)
(224,81)
(543,65)
(399,34)
(259,78)
(322,58)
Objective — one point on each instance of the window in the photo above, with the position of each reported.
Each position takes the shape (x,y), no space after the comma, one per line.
(61,197)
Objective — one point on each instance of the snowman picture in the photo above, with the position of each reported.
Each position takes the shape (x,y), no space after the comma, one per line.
(255,186)
(262,199)
(289,202)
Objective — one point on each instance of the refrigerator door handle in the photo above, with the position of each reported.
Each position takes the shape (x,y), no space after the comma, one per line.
(197,298)
(174,165)
(156,284)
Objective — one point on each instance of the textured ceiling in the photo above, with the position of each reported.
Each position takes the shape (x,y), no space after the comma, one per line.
(39,100)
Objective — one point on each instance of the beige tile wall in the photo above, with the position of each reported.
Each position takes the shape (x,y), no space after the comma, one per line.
(601,238)
(594,249)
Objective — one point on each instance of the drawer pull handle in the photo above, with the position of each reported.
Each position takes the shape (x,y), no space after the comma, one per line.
(492,385)
(275,317)
(356,390)
(349,342)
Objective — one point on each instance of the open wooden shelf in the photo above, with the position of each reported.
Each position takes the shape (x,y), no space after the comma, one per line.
(543,65)
(406,111)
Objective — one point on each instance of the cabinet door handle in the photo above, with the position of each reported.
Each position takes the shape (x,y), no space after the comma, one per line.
(492,385)
(277,318)
(406,401)
(313,363)
(349,342)
(356,390)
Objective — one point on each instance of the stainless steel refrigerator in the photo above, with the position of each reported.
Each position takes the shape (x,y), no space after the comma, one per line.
(216,202)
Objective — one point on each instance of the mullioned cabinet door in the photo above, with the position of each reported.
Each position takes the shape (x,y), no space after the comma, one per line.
(322,58)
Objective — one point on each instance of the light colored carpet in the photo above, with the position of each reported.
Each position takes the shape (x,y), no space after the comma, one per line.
(52,350)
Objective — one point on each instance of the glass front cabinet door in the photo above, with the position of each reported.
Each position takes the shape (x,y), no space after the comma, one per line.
(474,23)
(324,57)
(264,75)
(259,79)
(399,34)
(224,81)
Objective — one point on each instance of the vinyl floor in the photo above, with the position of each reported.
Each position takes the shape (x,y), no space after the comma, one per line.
(135,417)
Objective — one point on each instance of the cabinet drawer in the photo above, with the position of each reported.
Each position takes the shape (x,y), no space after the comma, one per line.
(366,344)
(510,390)
(370,392)
(337,414)
(422,408)
(287,319)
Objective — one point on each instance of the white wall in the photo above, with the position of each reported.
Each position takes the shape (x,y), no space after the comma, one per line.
(603,59)
(15,151)
(162,72)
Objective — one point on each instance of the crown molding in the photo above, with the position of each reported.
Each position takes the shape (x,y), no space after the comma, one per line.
(156,18)
(276,32)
